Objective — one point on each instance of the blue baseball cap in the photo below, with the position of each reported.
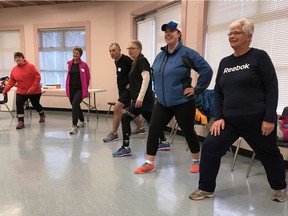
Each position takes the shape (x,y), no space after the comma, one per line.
(173,25)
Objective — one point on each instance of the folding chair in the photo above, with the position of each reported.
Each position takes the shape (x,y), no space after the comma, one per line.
(28,106)
(173,132)
(284,113)
(238,145)
(4,102)
(3,81)
(111,104)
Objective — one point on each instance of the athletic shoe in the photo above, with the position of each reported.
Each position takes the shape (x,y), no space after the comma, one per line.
(81,124)
(200,195)
(42,119)
(122,152)
(138,131)
(20,125)
(74,130)
(164,146)
(280,195)
(145,168)
(194,167)
(111,137)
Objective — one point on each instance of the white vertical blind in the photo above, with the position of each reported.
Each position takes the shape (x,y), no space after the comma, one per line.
(149,30)
(145,29)
(271,29)
(9,44)
(166,15)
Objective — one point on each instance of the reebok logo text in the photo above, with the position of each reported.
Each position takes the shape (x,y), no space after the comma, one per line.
(237,68)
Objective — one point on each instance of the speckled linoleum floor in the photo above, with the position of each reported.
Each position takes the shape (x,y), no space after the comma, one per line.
(45,171)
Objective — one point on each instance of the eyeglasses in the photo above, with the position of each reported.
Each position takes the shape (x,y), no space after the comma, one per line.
(131,48)
(76,54)
(234,33)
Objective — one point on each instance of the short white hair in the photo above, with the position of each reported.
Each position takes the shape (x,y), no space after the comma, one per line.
(245,24)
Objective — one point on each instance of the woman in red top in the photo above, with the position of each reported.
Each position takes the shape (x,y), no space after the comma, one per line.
(26,78)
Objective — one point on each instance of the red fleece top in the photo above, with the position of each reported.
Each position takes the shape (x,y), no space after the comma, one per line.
(25,77)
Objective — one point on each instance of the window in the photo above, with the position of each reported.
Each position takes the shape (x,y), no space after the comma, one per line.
(9,44)
(55,50)
(271,28)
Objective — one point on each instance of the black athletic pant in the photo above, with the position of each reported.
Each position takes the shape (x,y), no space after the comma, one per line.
(128,115)
(75,100)
(185,116)
(34,99)
(265,147)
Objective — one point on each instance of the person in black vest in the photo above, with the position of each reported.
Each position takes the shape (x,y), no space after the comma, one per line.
(246,97)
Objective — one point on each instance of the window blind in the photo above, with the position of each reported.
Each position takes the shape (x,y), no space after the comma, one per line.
(149,29)
(9,44)
(270,34)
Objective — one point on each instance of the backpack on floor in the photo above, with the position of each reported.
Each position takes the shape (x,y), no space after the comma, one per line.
(282,128)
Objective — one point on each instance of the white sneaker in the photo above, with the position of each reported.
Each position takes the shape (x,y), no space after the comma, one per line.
(81,124)
(280,195)
(74,130)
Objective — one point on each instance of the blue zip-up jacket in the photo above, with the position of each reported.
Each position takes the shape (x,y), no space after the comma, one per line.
(171,73)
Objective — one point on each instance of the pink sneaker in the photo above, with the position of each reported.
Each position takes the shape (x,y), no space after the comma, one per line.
(145,168)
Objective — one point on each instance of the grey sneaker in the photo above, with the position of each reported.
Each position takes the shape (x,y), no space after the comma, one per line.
(74,130)
(111,137)
(200,195)
(81,124)
(280,196)
(138,131)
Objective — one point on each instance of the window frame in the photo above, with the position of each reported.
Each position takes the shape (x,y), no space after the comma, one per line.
(62,50)
(67,25)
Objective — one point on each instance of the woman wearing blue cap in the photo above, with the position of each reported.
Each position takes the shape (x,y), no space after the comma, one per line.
(171,73)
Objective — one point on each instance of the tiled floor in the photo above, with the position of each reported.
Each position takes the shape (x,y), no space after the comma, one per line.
(45,171)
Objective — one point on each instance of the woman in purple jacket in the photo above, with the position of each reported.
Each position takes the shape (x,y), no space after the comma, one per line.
(77,83)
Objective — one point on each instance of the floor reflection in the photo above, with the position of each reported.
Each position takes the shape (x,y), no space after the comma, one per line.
(45,171)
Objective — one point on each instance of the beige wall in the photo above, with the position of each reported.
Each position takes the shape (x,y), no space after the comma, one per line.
(107,22)
(194,15)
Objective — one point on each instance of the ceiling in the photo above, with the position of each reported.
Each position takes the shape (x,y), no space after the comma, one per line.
(11,4)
